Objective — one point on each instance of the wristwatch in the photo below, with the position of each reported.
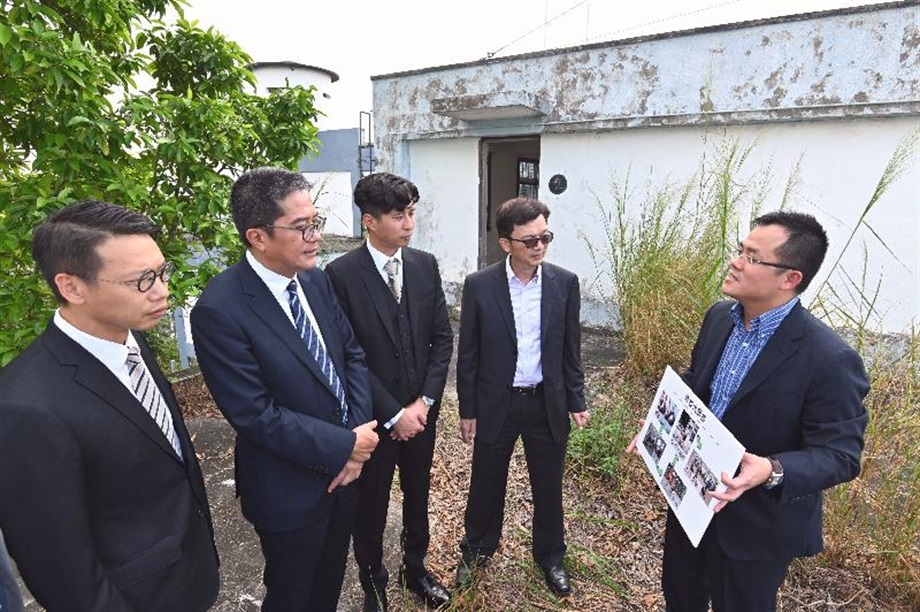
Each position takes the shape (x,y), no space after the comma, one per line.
(776,478)
(427,401)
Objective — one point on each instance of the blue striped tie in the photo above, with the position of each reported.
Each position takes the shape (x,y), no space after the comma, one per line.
(310,337)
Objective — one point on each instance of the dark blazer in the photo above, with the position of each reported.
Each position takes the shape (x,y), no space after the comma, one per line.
(290,442)
(97,510)
(800,402)
(363,295)
(487,350)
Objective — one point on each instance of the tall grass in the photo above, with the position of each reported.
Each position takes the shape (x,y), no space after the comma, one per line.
(667,264)
(874,520)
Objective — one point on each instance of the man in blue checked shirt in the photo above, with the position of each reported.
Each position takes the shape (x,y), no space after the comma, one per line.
(791,391)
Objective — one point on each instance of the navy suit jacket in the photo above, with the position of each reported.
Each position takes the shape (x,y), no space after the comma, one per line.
(363,295)
(800,402)
(487,350)
(290,442)
(97,509)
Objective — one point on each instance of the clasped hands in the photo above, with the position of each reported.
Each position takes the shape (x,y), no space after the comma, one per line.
(413,421)
(365,442)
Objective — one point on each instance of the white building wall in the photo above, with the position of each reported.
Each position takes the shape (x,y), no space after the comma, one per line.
(448,209)
(332,196)
(838,90)
(839,166)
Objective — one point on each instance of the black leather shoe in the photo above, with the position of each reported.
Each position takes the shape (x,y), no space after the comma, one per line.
(466,570)
(557,580)
(427,587)
(375,601)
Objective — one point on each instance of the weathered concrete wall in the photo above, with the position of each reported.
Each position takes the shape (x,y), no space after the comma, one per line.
(835,91)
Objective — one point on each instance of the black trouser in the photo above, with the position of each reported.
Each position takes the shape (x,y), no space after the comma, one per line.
(304,568)
(690,576)
(414,460)
(485,508)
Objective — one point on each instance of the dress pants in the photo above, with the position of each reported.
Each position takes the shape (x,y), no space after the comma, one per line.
(414,460)
(304,568)
(485,508)
(690,576)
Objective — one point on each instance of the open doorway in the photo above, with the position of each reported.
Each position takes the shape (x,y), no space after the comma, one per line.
(508,167)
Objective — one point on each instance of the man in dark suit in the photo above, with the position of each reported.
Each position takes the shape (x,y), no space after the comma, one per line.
(393,297)
(790,390)
(519,374)
(286,371)
(102,502)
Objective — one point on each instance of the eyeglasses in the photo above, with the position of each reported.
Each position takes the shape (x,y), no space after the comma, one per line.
(531,243)
(146,280)
(739,253)
(306,231)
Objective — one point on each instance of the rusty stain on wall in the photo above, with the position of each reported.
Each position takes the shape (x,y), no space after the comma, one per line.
(847,62)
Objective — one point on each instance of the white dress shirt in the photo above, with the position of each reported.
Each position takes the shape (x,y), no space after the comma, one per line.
(526,300)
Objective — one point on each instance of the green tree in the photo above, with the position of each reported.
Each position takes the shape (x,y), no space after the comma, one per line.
(75,124)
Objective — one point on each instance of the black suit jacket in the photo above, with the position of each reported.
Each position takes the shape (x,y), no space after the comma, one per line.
(800,402)
(487,350)
(290,442)
(363,295)
(97,509)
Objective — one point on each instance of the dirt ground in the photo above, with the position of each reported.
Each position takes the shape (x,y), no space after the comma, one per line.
(614,535)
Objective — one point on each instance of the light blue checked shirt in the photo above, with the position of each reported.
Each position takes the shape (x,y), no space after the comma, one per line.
(741,351)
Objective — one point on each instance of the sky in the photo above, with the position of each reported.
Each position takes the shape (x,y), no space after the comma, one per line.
(358,39)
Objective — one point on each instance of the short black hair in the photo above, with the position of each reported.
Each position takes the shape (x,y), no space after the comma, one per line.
(380,193)
(518,211)
(805,246)
(255,199)
(66,242)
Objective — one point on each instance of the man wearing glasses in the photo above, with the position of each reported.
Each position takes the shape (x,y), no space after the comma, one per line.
(519,374)
(790,390)
(286,370)
(102,502)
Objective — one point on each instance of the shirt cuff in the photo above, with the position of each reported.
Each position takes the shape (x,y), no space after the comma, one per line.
(389,424)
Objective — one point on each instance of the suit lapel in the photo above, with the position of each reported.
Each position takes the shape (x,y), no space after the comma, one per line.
(411,271)
(324,321)
(266,307)
(502,295)
(722,328)
(549,299)
(377,290)
(778,349)
(90,373)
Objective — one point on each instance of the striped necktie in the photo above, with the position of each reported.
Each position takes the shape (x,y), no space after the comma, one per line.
(391,267)
(147,393)
(310,337)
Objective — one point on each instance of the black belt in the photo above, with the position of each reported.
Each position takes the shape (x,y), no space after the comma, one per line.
(536,389)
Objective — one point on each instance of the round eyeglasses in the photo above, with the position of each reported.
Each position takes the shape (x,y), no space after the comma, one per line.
(146,280)
(531,243)
(306,231)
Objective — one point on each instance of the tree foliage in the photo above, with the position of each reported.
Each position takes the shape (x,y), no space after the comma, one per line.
(77,123)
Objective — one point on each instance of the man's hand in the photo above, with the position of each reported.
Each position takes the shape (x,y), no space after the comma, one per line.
(365,442)
(755,470)
(412,422)
(631,449)
(581,418)
(467,430)
(348,475)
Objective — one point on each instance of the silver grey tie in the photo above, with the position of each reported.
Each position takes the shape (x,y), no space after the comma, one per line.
(392,269)
(147,393)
